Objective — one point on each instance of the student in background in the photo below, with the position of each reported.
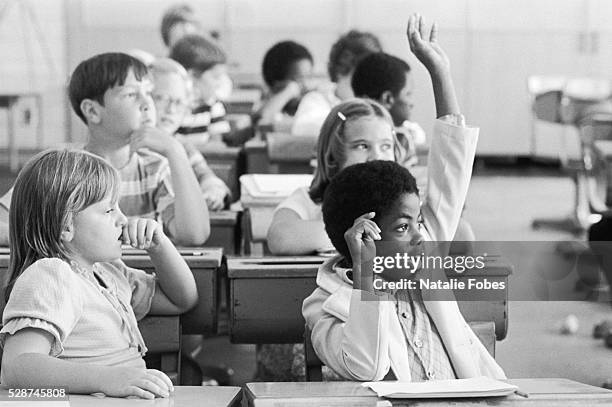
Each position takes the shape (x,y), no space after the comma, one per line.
(287,69)
(365,335)
(356,130)
(178,20)
(346,52)
(111,93)
(72,305)
(387,79)
(171,90)
(205,63)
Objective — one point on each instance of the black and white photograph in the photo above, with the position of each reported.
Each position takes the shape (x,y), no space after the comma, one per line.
(306,203)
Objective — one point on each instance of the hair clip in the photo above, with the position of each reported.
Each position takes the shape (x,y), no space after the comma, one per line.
(341,116)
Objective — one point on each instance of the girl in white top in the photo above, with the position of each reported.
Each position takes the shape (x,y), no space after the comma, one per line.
(72,304)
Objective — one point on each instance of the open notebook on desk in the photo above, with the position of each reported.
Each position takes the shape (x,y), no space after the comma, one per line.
(472,387)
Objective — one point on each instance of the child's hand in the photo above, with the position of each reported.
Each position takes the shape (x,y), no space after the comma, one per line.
(143,383)
(425,46)
(360,241)
(215,198)
(291,89)
(154,139)
(142,233)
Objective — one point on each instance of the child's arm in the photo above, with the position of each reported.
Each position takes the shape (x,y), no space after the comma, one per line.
(426,48)
(453,145)
(177,291)
(191,224)
(4,226)
(291,235)
(26,364)
(275,103)
(357,349)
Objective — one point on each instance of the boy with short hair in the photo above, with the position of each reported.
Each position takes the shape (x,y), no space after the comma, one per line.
(111,93)
(387,79)
(205,62)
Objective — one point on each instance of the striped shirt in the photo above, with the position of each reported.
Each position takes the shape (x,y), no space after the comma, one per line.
(145,190)
(205,121)
(146,187)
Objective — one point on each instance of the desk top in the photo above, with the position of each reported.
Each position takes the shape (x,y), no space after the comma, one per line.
(307,266)
(187,396)
(194,256)
(221,218)
(542,392)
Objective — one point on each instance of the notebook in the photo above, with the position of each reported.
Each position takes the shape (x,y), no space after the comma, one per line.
(472,387)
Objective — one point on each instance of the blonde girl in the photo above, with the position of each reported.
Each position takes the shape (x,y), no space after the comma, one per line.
(355,131)
(72,304)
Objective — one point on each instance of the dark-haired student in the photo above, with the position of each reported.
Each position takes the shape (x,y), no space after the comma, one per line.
(344,55)
(111,93)
(388,80)
(366,335)
(287,69)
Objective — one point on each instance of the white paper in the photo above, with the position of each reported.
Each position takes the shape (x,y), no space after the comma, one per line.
(472,387)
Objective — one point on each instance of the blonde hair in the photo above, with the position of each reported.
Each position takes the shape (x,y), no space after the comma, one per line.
(166,66)
(50,189)
(331,144)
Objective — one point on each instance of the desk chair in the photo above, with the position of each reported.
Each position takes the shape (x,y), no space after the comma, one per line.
(485,331)
(569,106)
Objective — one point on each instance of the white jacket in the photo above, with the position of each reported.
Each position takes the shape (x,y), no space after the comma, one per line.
(362,340)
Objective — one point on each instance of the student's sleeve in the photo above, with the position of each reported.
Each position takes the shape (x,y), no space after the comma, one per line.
(299,201)
(357,349)
(142,288)
(204,174)
(46,296)
(310,115)
(450,162)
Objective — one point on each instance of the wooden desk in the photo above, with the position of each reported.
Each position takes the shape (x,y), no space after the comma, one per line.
(542,392)
(183,396)
(225,231)
(266,295)
(228,163)
(206,265)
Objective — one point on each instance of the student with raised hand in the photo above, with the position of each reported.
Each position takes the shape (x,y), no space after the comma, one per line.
(111,93)
(355,332)
(172,87)
(388,80)
(72,305)
(344,55)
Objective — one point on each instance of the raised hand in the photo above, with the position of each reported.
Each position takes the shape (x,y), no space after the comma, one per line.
(134,382)
(425,45)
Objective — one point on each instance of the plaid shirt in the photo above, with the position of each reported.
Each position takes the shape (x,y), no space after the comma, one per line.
(427,356)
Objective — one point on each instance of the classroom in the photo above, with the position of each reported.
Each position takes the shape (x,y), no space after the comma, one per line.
(306,203)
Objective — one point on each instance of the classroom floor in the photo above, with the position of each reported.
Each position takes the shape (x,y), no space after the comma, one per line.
(501,205)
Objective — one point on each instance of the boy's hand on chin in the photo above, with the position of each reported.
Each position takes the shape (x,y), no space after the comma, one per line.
(154,139)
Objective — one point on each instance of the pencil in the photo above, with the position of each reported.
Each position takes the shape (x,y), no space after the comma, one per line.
(521,393)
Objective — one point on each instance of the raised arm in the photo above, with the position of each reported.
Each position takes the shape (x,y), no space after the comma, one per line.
(425,47)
